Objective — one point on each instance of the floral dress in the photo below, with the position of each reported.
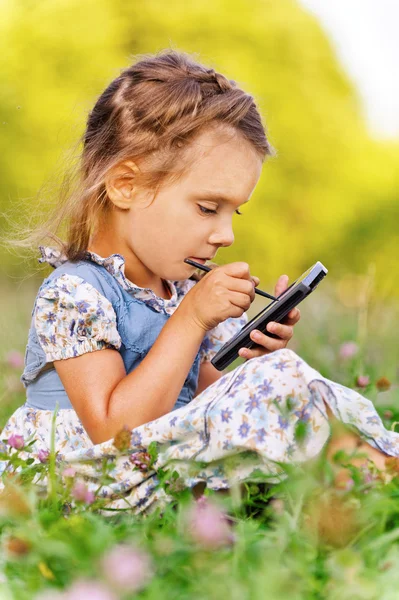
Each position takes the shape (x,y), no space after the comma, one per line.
(243,426)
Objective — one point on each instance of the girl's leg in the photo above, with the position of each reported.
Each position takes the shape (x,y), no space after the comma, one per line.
(273,398)
(269,412)
(357,452)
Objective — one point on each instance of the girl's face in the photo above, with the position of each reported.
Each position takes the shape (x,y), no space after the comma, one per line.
(193,217)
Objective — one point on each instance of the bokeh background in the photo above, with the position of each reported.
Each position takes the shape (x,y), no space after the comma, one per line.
(324,73)
(330,194)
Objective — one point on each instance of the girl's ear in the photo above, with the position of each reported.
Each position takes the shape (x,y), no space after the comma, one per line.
(120,184)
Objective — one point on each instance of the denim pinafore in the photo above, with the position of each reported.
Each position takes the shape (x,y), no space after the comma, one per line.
(138,325)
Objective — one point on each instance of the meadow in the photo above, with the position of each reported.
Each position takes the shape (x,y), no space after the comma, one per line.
(304,539)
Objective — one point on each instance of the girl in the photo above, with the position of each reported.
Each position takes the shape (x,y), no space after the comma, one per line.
(122,334)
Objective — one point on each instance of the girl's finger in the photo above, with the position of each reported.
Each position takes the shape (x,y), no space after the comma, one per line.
(285,332)
(272,346)
(293,317)
(281,285)
(256,280)
(251,353)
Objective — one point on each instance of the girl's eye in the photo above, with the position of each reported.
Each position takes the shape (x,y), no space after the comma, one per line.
(208,211)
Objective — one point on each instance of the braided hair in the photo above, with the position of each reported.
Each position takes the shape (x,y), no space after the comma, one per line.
(152,111)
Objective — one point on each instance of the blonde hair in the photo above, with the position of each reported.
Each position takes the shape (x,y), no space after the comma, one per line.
(154,109)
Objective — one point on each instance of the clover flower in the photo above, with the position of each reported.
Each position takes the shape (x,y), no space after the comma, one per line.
(69,472)
(127,569)
(43,455)
(16,441)
(208,525)
(348,350)
(81,493)
(363,381)
(15,359)
(141,460)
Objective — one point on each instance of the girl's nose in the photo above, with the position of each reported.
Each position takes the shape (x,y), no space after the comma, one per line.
(224,236)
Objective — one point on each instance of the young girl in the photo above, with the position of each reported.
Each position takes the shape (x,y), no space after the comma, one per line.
(122,334)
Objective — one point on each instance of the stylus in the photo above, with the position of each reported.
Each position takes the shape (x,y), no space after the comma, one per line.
(207,269)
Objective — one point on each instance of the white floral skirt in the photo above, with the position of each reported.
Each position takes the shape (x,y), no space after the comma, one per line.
(245,424)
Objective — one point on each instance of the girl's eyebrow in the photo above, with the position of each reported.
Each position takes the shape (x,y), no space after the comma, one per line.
(218,198)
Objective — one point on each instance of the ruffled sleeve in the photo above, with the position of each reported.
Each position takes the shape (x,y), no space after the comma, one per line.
(71,318)
(217,337)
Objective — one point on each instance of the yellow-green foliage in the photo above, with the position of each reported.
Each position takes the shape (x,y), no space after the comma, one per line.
(330,194)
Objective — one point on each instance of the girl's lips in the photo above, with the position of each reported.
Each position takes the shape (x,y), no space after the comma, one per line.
(198,260)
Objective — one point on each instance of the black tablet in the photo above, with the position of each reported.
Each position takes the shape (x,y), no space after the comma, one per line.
(275,311)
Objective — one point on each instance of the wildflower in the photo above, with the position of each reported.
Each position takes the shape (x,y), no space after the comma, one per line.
(15,359)
(69,472)
(45,571)
(16,441)
(208,525)
(363,381)
(43,455)
(122,439)
(81,493)
(89,589)
(141,460)
(348,350)
(17,547)
(382,384)
(126,569)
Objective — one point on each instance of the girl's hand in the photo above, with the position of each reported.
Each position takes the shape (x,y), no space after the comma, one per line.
(225,291)
(285,329)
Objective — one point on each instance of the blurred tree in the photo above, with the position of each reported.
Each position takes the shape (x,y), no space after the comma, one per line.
(329,175)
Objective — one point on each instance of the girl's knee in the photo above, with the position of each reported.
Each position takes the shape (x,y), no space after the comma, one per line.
(284,354)
(287,354)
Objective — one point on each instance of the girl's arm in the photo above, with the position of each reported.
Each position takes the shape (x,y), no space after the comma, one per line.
(106,399)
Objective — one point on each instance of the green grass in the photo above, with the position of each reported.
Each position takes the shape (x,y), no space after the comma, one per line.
(302,539)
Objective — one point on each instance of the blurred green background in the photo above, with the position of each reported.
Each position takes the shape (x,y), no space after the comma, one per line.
(331,192)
